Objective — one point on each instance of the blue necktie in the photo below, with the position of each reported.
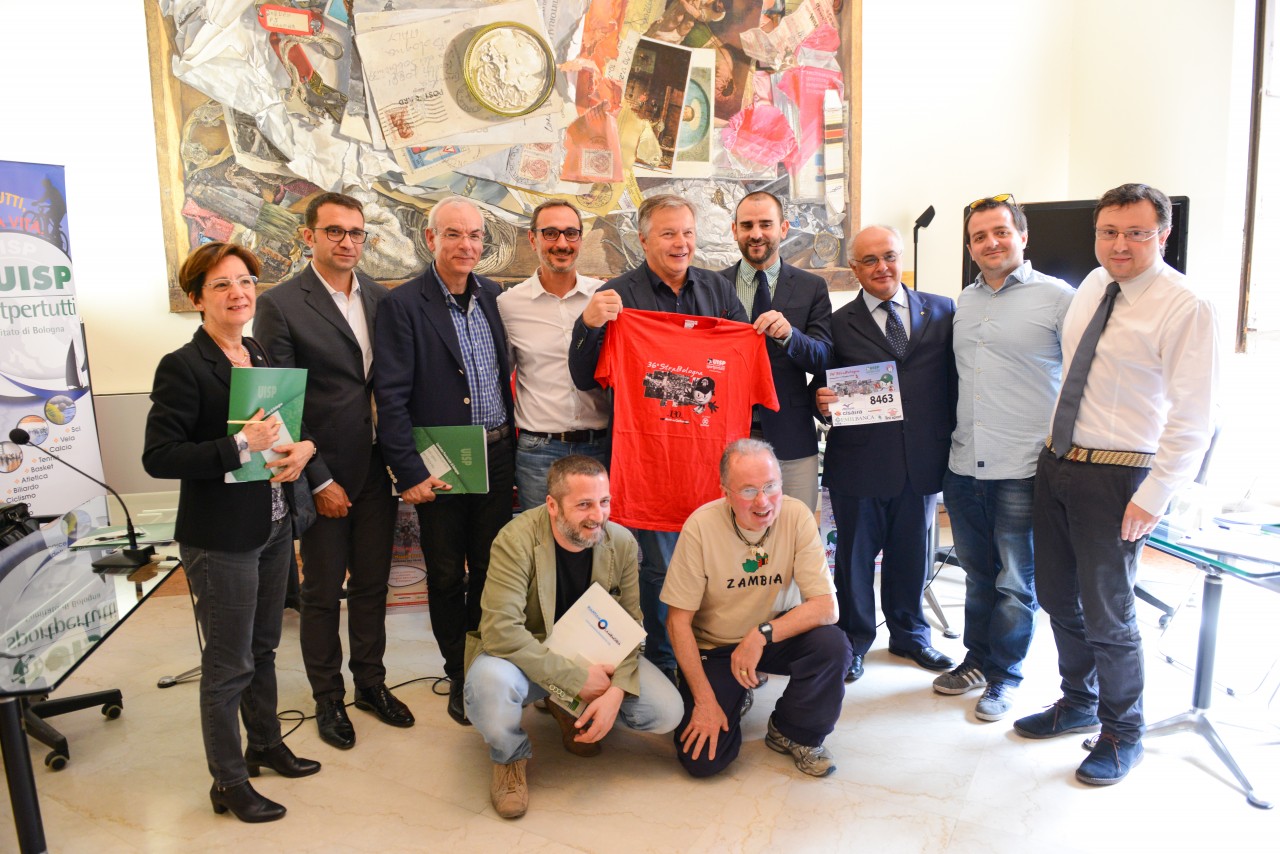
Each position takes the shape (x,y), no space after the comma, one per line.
(762,302)
(1064,417)
(894,330)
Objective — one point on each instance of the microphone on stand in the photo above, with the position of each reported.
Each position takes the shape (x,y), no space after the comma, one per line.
(124,558)
(922,221)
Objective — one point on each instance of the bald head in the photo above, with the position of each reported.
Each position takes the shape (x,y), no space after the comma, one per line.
(877,259)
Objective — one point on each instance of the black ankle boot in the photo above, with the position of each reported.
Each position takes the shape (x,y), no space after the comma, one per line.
(244,803)
(281,760)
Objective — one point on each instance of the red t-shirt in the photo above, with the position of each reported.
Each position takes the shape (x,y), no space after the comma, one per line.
(683,388)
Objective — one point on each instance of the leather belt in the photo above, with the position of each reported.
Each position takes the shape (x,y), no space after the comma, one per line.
(497,434)
(1132,459)
(570,437)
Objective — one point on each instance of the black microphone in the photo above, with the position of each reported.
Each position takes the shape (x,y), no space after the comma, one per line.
(130,558)
(922,221)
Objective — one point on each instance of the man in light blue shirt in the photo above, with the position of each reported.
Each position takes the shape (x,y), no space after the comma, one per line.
(1007,340)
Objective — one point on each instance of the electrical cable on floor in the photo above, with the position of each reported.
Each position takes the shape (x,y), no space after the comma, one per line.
(298,717)
(938,565)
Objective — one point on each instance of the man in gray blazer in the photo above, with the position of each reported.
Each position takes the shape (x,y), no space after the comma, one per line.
(322,320)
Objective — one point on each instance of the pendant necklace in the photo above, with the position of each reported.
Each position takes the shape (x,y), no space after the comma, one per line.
(757,557)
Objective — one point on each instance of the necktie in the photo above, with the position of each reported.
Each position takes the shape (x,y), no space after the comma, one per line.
(894,330)
(762,302)
(1064,417)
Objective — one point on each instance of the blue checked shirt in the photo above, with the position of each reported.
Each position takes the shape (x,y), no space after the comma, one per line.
(479,355)
(1008,346)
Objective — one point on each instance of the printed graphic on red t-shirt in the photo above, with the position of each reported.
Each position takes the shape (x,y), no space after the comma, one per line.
(683,388)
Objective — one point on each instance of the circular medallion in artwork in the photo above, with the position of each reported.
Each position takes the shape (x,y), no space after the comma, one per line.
(509,69)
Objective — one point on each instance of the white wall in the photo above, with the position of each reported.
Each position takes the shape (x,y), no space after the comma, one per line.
(961,100)
(83,100)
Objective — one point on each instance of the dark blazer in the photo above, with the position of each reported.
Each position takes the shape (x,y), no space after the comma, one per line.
(299,326)
(875,460)
(420,379)
(716,298)
(803,300)
(187,438)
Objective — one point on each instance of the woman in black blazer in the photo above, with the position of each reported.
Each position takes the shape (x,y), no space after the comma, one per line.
(235,538)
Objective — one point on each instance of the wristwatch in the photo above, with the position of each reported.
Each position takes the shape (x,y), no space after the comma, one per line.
(766,629)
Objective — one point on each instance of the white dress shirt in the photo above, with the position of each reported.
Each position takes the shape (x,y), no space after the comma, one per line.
(539,328)
(351,307)
(881,318)
(1152,383)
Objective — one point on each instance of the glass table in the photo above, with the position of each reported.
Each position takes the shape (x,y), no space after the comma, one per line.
(55,611)
(1218,553)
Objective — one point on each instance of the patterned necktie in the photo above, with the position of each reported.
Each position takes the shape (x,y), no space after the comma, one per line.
(762,302)
(1064,418)
(894,330)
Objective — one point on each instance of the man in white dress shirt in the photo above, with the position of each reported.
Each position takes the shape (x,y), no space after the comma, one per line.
(554,417)
(1131,426)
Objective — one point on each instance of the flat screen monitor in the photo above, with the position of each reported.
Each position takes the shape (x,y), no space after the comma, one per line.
(1060,239)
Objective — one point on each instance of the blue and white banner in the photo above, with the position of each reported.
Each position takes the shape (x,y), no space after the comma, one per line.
(44,372)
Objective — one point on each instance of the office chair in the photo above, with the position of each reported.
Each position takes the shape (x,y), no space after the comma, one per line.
(1141,590)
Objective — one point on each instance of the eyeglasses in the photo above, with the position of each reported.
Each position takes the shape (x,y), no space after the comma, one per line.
(551,235)
(357,235)
(1133,235)
(1002,199)
(872,260)
(455,236)
(222,285)
(770,489)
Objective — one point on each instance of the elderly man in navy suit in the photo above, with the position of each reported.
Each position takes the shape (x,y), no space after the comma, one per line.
(792,307)
(322,320)
(884,477)
(441,359)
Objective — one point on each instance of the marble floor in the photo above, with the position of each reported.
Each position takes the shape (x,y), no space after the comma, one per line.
(917,771)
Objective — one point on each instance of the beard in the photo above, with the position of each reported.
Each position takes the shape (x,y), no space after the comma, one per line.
(580,535)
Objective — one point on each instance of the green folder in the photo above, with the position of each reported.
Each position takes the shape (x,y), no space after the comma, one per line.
(276,391)
(457,455)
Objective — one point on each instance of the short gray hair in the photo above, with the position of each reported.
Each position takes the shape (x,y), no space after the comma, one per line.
(574,464)
(449,202)
(662,201)
(743,448)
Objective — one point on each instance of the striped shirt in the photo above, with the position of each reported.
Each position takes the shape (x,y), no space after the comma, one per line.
(479,355)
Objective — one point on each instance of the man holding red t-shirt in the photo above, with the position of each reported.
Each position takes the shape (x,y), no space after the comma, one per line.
(665,282)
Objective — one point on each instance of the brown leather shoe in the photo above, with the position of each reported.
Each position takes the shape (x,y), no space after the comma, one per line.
(568,731)
(509,789)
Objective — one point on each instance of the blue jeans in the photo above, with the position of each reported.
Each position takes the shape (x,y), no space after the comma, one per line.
(656,548)
(534,456)
(239,605)
(496,692)
(991,526)
(1084,577)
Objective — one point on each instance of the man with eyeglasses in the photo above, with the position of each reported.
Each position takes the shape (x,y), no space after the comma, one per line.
(1131,426)
(322,320)
(1007,341)
(666,281)
(884,477)
(555,418)
(793,308)
(748,593)
(442,360)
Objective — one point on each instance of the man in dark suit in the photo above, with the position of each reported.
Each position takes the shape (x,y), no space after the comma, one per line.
(793,308)
(441,359)
(322,320)
(666,281)
(884,477)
